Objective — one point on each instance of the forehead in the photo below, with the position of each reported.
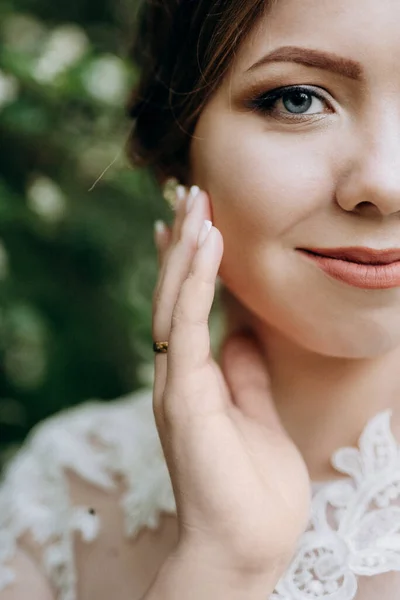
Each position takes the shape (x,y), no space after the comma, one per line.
(361,29)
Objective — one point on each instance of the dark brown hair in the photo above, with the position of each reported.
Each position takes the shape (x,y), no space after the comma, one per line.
(182,49)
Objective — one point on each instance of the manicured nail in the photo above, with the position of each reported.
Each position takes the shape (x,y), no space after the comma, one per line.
(180,195)
(159,230)
(194,192)
(204,231)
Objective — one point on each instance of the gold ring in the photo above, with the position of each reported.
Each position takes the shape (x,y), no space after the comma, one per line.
(160,347)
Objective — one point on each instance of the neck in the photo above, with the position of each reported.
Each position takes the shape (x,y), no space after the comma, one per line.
(324,402)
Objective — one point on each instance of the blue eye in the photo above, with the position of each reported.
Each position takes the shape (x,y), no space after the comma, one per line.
(296,102)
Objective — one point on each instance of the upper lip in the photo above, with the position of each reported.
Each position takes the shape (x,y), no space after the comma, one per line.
(359,254)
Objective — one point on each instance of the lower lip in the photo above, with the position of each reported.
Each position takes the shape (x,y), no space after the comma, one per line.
(368,277)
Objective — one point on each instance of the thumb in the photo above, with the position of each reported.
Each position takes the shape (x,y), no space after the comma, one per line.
(246,374)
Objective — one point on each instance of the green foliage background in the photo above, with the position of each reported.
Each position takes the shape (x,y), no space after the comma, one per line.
(77,262)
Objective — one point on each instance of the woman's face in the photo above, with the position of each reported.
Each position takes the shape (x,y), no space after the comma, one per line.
(316,169)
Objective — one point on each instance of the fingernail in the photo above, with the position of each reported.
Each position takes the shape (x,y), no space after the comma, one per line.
(204,231)
(194,192)
(159,230)
(180,195)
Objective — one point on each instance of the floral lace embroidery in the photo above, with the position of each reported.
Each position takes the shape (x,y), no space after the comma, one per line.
(34,495)
(354,527)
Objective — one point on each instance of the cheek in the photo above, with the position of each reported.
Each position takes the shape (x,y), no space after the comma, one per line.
(263,184)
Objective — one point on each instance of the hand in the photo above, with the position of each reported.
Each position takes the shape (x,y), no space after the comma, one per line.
(241,487)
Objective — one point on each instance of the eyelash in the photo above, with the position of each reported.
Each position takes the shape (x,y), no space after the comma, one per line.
(266,103)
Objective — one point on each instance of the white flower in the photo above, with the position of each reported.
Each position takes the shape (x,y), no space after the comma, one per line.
(46,199)
(8,89)
(65,46)
(106,79)
(23,33)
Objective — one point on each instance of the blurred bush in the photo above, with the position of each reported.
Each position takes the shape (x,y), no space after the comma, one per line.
(77,260)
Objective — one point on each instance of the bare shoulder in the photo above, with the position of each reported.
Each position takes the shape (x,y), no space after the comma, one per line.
(112,566)
(116,565)
(89,502)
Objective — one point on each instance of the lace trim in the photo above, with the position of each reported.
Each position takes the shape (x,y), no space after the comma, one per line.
(34,495)
(354,526)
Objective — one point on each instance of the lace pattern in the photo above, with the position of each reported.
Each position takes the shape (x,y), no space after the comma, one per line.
(354,527)
(97,441)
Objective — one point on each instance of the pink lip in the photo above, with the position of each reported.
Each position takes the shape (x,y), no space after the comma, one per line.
(360,267)
(360,254)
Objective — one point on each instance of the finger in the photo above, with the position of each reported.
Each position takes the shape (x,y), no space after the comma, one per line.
(247,377)
(175,271)
(189,349)
(164,247)
(162,239)
(177,266)
(175,233)
(183,195)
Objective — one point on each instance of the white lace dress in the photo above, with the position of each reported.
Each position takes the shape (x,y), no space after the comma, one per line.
(351,549)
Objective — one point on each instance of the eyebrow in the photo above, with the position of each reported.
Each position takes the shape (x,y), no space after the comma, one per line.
(313,58)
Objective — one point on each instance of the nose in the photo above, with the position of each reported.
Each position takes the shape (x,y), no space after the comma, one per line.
(371,186)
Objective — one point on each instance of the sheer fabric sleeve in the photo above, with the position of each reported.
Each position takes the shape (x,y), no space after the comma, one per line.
(85,483)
